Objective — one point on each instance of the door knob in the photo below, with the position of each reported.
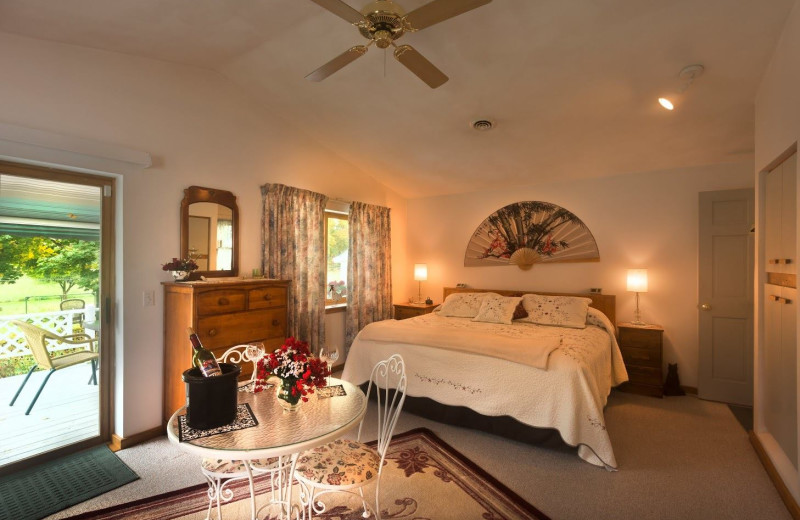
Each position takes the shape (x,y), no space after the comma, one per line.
(705,307)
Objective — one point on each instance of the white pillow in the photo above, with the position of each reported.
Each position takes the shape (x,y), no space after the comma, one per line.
(463,305)
(562,311)
(497,309)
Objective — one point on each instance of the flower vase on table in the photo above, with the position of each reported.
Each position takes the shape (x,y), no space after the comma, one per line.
(289,397)
(293,371)
(180,268)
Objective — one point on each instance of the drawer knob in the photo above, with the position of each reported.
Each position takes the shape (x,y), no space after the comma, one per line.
(212,332)
(223,301)
(275,323)
(705,307)
(267,297)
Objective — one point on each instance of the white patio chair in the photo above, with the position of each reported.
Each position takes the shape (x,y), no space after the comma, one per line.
(221,473)
(315,467)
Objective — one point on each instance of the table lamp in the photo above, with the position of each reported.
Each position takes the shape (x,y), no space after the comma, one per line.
(637,282)
(420,274)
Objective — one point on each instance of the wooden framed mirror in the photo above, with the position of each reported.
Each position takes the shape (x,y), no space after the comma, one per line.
(210,231)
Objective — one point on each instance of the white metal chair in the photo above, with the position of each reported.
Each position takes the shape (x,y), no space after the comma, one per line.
(221,473)
(320,470)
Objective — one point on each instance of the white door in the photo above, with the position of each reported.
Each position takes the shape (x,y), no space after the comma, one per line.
(726,296)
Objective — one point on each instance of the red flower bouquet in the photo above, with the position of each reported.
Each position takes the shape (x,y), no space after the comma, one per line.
(298,370)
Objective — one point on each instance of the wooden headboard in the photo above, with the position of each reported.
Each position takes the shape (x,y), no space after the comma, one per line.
(605,303)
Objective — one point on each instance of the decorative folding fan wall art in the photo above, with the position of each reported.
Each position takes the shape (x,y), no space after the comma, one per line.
(531,232)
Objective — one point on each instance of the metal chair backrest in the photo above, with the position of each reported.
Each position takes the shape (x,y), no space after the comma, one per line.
(242,354)
(389,380)
(35,337)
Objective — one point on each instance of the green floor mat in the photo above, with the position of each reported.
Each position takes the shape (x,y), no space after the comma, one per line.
(36,492)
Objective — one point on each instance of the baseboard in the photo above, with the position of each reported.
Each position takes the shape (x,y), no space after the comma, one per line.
(691,390)
(120,443)
(783,491)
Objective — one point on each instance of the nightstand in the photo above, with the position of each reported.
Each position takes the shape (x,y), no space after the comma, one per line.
(403,311)
(642,350)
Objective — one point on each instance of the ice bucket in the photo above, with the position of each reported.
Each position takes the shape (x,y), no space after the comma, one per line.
(211,401)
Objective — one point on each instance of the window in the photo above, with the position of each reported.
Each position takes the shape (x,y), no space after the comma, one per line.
(337,240)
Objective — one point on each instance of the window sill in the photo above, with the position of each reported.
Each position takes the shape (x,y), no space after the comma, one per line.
(336,307)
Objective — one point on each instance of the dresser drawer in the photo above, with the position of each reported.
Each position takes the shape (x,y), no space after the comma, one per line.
(220,301)
(229,330)
(404,314)
(266,297)
(645,375)
(640,338)
(649,357)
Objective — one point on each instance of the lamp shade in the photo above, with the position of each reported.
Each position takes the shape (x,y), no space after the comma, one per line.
(637,280)
(420,271)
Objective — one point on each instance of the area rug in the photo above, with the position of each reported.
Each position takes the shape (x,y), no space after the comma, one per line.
(36,492)
(424,478)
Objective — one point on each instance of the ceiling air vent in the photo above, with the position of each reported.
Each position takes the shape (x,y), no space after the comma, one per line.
(482,125)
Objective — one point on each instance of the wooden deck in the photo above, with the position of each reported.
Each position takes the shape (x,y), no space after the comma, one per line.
(66,412)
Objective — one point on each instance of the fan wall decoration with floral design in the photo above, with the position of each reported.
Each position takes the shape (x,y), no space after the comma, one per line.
(531,232)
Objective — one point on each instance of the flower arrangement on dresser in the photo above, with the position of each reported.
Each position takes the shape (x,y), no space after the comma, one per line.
(180,268)
(297,370)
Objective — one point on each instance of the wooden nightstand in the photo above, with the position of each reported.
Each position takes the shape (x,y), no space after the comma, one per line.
(403,311)
(642,350)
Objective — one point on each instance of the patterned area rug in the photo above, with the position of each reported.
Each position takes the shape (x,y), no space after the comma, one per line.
(424,478)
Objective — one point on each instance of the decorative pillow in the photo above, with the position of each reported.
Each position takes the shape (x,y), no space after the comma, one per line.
(463,305)
(520,311)
(497,309)
(596,317)
(562,311)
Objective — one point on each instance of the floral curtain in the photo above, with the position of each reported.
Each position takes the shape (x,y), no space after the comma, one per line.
(369,269)
(293,245)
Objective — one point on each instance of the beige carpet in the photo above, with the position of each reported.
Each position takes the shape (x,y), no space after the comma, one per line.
(679,458)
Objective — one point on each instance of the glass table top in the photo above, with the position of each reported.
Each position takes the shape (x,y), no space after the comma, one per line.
(280,432)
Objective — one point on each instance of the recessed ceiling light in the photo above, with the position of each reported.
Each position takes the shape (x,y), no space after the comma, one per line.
(666,103)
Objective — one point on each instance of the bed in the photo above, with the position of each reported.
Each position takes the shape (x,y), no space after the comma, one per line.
(539,376)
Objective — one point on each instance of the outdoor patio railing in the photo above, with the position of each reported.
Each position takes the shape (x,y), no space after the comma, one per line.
(12,342)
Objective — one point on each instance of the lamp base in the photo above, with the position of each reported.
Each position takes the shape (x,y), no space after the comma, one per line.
(638,323)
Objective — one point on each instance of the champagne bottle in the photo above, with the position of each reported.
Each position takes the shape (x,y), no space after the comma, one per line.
(203,358)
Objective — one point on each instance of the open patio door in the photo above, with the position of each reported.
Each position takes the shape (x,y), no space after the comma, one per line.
(56,274)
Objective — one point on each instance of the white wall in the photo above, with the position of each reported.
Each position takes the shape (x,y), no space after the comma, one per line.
(777,130)
(644,220)
(200,130)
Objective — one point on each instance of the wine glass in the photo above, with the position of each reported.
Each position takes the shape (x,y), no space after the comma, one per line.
(332,357)
(254,352)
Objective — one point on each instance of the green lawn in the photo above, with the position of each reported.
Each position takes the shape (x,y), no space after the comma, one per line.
(42,296)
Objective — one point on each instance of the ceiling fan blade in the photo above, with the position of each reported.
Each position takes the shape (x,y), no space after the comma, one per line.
(419,65)
(439,11)
(342,10)
(337,63)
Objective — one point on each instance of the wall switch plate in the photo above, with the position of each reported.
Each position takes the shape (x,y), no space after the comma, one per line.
(148,298)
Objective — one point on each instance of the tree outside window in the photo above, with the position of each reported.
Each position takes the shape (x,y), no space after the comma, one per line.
(337,241)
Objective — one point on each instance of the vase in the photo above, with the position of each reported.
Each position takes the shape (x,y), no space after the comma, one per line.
(283,391)
(180,276)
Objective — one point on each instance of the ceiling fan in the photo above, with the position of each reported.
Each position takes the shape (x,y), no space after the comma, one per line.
(382,22)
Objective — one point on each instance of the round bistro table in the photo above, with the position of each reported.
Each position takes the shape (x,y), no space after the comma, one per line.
(280,434)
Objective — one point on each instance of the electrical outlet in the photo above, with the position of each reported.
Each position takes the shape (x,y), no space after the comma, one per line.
(148,298)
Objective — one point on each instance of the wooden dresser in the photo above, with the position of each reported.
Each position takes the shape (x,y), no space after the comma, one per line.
(642,350)
(223,314)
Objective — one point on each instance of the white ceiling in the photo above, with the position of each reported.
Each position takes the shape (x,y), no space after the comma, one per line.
(570,84)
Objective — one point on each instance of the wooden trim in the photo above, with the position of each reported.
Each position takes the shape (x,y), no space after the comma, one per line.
(605,303)
(783,491)
(120,443)
(336,309)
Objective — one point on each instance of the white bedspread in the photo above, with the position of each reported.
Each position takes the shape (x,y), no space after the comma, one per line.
(569,395)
